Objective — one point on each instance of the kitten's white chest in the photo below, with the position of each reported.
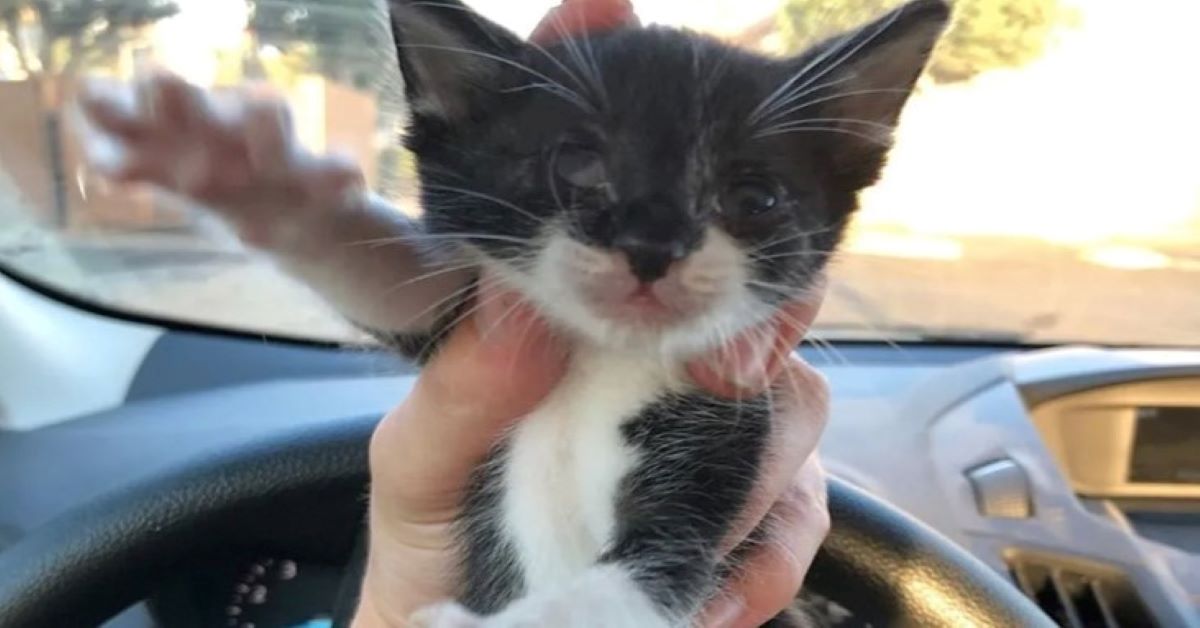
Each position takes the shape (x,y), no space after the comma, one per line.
(566,460)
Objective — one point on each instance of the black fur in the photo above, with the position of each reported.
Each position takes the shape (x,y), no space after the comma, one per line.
(492,572)
(637,141)
(700,459)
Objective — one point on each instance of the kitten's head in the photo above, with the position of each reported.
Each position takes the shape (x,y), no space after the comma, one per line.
(651,185)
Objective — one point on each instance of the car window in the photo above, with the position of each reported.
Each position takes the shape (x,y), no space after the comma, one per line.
(1044,186)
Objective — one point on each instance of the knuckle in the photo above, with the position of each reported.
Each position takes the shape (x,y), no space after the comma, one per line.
(822,523)
(811,399)
(806,502)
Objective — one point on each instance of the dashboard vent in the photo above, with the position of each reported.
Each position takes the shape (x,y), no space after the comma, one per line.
(1078,594)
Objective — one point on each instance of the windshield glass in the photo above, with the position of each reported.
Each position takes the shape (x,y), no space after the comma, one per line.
(1044,186)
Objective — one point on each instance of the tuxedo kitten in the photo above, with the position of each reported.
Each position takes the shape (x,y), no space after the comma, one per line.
(652,192)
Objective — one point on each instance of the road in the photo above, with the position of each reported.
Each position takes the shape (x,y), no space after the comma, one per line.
(1003,289)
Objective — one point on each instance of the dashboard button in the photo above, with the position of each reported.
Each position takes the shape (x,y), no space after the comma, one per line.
(1002,489)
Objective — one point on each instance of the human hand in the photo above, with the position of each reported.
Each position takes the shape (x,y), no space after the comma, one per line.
(495,368)
(790,494)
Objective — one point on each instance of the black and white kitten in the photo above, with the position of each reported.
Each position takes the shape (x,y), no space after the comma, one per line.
(651,191)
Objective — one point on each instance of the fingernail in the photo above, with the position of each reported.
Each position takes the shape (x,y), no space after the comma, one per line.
(727,612)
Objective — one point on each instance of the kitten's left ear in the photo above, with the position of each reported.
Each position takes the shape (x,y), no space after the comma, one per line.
(450,55)
(868,75)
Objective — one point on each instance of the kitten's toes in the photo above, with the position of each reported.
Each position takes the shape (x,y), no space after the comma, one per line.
(445,615)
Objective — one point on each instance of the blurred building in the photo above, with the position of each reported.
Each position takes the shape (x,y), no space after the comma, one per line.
(40,154)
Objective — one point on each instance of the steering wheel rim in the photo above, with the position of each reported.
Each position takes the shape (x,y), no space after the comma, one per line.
(89,565)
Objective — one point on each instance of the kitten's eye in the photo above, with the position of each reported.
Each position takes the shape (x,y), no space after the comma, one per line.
(750,197)
(581,167)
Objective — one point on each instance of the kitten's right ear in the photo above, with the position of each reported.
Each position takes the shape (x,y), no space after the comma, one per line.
(449,55)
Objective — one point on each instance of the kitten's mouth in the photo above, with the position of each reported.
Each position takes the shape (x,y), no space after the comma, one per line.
(646,304)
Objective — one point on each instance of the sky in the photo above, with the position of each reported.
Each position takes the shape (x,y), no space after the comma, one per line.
(1095,142)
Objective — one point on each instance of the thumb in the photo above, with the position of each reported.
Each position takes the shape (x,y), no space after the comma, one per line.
(495,368)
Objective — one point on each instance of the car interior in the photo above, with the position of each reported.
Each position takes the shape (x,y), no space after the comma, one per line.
(1012,335)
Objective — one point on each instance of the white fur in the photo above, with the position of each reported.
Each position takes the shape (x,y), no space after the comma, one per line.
(605,596)
(567,458)
(561,477)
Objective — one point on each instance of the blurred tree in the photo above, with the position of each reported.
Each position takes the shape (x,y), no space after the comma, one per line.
(345,40)
(986,34)
(348,41)
(55,38)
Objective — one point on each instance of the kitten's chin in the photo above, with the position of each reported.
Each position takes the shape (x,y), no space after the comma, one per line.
(649,329)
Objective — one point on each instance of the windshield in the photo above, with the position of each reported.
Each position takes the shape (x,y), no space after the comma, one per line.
(1044,188)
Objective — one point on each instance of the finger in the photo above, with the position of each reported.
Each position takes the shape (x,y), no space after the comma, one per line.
(795,319)
(579,17)
(767,583)
(754,358)
(799,413)
(492,370)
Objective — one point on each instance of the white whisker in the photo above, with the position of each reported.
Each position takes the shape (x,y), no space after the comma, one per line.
(823,129)
(768,106)
(561,90)
(486,197)
(804,122)
(793,97)
(836,96)
(434,237)
(457,294)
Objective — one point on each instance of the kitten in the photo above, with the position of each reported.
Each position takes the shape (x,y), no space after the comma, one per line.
(652,192)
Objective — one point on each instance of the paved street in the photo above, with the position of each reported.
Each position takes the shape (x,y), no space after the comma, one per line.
(1002,289)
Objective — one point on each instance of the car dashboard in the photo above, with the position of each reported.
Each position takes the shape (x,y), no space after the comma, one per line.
(241,591)
(1071,470)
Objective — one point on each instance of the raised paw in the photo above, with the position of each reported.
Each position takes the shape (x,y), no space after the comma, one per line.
(603,597)
(234,151)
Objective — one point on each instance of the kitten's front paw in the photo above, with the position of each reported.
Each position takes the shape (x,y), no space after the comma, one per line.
(604,597)
(235,151)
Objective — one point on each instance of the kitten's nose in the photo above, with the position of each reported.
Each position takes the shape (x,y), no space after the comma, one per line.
(649,260)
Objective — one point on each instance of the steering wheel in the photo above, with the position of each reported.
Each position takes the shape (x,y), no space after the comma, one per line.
(307,488)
